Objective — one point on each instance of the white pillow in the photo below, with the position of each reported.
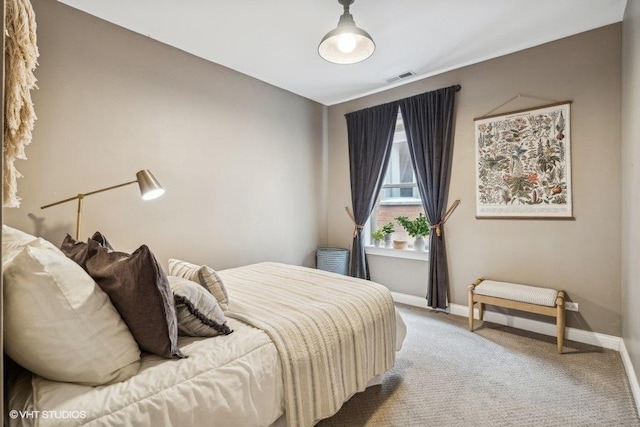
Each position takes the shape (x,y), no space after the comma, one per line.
(59,324)
(13,240)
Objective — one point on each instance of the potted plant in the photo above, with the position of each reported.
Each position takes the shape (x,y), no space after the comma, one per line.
(417,228)
(377,237)
(387,230)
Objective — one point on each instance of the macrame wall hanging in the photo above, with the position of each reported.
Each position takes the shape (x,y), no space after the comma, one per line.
(21,58)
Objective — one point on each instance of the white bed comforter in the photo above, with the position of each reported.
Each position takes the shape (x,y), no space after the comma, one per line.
(232,380)
(333,333)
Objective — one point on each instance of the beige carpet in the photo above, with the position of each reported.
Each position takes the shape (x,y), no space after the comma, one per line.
(498,376)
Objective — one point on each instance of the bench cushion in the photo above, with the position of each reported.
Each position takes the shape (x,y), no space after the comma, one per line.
(516,292)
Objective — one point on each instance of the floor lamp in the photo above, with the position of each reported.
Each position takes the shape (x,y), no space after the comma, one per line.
(150,188)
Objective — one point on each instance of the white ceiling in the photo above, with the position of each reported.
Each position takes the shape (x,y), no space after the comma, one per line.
(276,41)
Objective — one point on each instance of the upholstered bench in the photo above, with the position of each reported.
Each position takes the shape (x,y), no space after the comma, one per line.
(533,299)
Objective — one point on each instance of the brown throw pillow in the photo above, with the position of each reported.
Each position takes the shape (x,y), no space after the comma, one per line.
(77,251)
(139,290)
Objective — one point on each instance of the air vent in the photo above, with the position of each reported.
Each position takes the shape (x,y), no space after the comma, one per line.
(400,76)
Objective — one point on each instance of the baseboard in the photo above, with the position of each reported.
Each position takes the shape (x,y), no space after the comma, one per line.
(572,334)
(631,374)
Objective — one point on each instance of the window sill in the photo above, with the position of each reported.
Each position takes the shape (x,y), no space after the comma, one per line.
(398,253)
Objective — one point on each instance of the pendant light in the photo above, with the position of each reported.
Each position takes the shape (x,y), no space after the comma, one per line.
(347,44)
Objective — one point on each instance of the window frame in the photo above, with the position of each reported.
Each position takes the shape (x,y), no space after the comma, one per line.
(398,138)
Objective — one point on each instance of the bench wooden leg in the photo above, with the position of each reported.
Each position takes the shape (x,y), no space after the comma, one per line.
(560,320)
(471,310)
(470,289)
(481,311)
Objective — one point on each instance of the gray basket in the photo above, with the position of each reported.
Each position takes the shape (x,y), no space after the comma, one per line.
(335,260)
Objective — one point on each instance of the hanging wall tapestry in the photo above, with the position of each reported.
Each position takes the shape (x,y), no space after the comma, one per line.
(523,164)
(20,59)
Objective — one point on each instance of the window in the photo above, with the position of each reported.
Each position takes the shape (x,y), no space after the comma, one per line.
(399,194)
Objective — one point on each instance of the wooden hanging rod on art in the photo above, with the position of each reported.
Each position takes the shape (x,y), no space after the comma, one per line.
(520,95)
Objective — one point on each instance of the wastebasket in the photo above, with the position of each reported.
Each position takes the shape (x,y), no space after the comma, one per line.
(335,260)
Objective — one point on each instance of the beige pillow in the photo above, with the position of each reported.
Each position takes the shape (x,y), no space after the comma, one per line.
(59,324)
(204,275)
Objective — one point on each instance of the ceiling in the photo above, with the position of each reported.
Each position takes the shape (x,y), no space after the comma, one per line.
(276,41)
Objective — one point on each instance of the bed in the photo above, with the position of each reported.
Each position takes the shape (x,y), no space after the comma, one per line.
(303,342)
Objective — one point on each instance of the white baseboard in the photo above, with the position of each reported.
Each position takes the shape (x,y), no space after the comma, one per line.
(631,374)
(572,334)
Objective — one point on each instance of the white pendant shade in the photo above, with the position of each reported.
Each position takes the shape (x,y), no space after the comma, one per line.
(347,44)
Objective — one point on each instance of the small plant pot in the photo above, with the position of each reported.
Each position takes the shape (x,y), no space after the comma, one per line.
(418,244)
(388,243)
(399,244)
(378,243)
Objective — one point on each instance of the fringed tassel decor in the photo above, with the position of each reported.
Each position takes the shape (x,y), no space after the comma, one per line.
(21,58)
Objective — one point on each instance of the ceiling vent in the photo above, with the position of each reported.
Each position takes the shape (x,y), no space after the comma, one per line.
(400,76)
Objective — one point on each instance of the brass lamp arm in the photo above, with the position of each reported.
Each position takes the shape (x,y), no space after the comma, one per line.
(83,195)
(150,188)
(80,197)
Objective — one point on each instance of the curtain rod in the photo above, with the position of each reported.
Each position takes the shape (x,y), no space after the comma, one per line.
(457,88)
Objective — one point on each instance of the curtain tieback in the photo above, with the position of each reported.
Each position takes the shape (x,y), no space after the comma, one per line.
(353,219)
(438,227)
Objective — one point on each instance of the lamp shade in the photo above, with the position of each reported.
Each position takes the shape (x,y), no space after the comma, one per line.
(150,188)
(346,44)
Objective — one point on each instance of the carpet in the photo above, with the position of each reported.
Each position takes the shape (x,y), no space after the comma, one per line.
(497,376)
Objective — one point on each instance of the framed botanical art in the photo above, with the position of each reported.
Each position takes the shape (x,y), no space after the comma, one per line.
(523,164)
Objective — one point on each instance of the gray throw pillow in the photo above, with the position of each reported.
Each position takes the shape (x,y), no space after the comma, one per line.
(139,290)
(198,312)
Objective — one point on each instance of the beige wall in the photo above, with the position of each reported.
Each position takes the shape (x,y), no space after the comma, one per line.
(631,181)
(242,161)
(581,256)
(247,166)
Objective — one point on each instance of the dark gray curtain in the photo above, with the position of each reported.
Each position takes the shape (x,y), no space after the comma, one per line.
(428,121)
(370,132)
